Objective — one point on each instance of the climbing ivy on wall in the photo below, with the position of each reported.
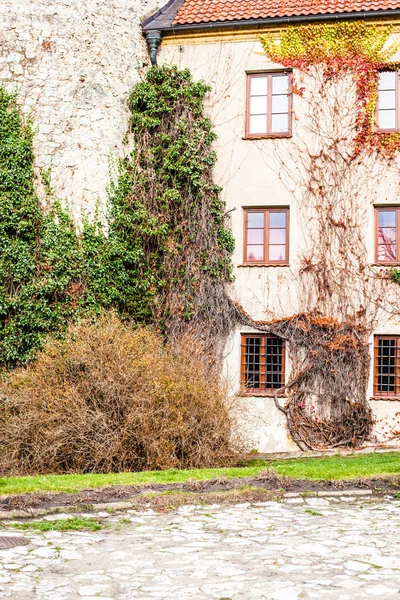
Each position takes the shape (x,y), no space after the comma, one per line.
(358,48)
(168,252)
(337,160)
(40,255)
(165,256)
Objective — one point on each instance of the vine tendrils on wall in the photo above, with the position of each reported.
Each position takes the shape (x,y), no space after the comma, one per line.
(333,170)
(358,48)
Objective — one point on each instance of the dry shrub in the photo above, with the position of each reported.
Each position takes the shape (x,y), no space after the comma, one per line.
(113,398)
(271,477)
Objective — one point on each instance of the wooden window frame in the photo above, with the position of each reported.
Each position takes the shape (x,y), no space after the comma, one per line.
(385,208)
(397,105)
(266,210)
(395,393)
(268,134)
(266,392)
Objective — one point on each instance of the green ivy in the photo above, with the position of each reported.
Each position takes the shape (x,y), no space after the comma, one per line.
(394,274)
(168,240)
(166,254)
(40,255)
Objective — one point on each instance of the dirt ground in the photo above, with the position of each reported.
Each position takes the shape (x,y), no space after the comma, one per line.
(223,491)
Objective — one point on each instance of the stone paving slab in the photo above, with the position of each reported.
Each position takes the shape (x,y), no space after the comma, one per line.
(300,549)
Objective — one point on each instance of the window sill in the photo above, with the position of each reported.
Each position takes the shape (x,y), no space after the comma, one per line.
(385,399)
(269,136)
(396,264)
(260,395)
(252,265)
(387,131)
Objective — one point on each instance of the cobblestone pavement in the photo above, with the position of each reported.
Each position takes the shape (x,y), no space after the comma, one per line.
(313,548)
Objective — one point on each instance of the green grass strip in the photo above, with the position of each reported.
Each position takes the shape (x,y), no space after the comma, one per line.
(340,467)
(327,467)
(70,524)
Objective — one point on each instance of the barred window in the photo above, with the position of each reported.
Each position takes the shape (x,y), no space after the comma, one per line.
(387,365)
(262,364)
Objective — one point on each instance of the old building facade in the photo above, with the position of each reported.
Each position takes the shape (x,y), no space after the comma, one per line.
(74,64)
(261,125)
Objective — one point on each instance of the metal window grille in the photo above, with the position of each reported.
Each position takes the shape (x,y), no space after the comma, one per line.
(262,368)
(387,366)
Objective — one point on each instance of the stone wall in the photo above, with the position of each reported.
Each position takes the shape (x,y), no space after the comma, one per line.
(74,63)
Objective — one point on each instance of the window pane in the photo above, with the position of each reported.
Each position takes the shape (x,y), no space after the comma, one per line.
(280,84)
(274,356)
(387,119)
(255,253)
(277,252)
(255,236)
(280,123)
(387,80)
(258,124)
(387,355)
(252,362)
(277,236)
(387,218)
(387,100)
(277,219)
(387,253)
(255,219)
(387,235)
(263,362)
(258,86)
(258,105)
(280,104)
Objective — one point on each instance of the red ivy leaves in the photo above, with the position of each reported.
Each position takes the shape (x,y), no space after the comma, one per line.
(365,68)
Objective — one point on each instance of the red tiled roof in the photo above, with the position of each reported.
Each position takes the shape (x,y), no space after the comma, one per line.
(210,11)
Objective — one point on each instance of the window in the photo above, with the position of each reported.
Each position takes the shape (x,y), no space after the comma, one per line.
(262,366)
(388,117)
(387,227)
(266,236)
(387,365)
(268,105)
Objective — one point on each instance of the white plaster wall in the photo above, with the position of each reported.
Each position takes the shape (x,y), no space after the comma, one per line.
(387,419)
(74,63)
(262,423)
(247,175)
(248,171)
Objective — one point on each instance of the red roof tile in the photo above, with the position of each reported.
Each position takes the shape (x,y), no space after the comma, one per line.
(210,11)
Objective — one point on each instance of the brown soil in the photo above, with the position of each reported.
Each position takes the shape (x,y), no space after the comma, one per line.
(164,496)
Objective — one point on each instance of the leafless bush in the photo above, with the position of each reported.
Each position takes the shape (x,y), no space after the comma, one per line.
(113,398)
(269,476)
(194,486)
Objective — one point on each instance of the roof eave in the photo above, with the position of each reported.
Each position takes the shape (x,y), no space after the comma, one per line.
(152,24)
(163,19)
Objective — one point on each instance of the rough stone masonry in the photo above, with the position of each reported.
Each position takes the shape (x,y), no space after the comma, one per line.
(74,63)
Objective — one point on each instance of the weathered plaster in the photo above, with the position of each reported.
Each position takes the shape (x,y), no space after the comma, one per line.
(248,170)
(74,63)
